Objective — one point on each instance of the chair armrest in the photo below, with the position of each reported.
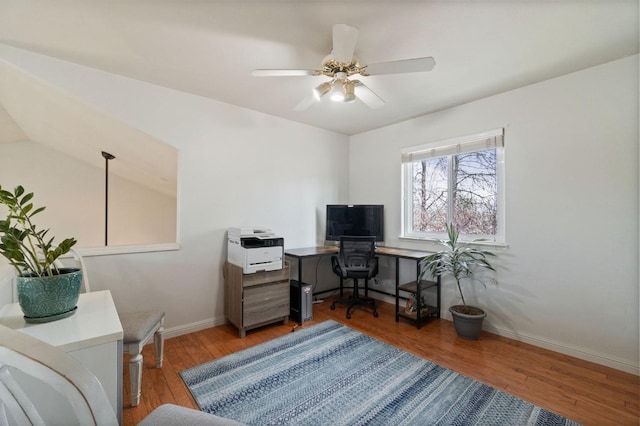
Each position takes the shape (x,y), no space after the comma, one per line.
(338,266)
(373,267)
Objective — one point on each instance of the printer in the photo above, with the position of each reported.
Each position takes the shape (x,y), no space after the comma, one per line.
(255,249)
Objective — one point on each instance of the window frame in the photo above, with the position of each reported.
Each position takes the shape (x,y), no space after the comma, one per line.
(448,148)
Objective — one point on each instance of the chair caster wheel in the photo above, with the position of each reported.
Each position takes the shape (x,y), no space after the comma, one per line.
(333,306)
(375,314)
(348,316)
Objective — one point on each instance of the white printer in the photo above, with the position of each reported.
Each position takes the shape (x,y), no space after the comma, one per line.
(255,249)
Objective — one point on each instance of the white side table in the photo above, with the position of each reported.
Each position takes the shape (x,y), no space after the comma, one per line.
(93,335)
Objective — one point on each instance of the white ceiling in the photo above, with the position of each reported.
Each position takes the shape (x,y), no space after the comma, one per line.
(59,121)
(209,48)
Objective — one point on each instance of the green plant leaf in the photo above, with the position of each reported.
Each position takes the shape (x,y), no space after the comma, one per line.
(458,261)
(26,198)
(21,242)
(38,210)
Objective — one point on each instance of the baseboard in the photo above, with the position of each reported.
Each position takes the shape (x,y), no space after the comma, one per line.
(566,350)
(193,327)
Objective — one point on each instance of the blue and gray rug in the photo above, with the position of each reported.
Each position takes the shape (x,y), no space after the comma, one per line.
(330,374)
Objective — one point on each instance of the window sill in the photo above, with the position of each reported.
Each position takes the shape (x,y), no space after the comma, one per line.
(110,250)
(491,244)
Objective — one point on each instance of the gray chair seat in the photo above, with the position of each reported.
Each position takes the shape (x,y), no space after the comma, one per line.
(138,325)
(139,328)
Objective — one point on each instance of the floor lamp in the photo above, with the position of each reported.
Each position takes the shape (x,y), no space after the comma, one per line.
(107,157)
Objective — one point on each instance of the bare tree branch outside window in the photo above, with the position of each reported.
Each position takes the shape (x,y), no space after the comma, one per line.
(430,195)
(473,186)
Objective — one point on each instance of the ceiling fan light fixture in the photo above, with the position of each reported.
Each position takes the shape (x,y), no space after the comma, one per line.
(322,90)
(337,91)
(349,92)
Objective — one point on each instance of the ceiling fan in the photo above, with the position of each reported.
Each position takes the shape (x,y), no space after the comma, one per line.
(342,64)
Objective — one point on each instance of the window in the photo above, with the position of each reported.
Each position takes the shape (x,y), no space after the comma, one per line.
(458,180)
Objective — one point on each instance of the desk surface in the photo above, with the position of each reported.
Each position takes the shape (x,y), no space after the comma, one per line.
(96,322)
(311,251)
(382,250)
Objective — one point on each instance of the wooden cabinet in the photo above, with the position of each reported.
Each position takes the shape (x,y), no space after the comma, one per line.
(253,300)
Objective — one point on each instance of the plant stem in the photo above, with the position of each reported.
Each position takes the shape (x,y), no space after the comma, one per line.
(460,291)
(38,267)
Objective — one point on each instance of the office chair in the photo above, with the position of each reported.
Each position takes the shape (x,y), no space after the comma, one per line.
(356,260)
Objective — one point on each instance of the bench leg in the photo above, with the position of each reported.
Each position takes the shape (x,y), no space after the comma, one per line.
(158,346)
(135,372)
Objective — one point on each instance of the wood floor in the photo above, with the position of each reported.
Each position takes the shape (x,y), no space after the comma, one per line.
(582,391)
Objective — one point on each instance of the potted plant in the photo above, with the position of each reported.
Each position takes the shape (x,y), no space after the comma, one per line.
(45,291)
(459,261)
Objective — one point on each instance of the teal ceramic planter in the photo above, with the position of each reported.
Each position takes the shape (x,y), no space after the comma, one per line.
(45,299)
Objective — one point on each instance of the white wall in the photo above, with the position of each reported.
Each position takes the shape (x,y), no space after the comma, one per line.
(569,279)
(228,177)
(236,168)
(73,193)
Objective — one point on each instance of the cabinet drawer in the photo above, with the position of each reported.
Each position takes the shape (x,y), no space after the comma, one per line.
(266,302)
(250,280)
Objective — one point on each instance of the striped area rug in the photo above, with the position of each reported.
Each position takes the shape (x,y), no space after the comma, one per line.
(330,374)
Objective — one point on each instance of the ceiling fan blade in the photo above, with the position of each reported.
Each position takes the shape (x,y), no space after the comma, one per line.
(402,66)
(367,96)
(344,42)
(305,103)
(283,73)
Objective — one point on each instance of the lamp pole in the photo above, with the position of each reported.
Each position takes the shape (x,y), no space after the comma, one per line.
(107,157)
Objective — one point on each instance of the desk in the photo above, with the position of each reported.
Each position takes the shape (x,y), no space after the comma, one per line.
(93,335)
(397,253)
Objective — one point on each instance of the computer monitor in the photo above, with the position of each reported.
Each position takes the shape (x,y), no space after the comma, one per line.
(354,219)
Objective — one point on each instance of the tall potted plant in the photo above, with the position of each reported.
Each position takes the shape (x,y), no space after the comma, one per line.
(459,261)
(45,291)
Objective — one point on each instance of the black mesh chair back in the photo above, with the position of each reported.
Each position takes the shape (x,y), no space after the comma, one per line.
(358,255)
(356,260)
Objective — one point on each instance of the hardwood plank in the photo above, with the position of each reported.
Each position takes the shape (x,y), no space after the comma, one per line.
(582,391)
(180,394)
(600,391)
